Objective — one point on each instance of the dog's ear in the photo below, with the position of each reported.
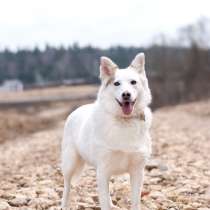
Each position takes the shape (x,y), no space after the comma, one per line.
(107,68)
(138,63)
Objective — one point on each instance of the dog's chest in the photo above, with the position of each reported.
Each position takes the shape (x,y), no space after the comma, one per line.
(128,136)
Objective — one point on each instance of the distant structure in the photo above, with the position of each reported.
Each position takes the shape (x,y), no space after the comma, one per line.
(13,85)
(76,81)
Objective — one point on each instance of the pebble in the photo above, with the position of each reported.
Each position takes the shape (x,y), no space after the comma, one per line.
(196,204)
(155,173)
(41,203)
(152,164)
(207,192)
(4,205)
(163,167)
(156,195)
(189,208)
(203,208)
(19,200)
(155,180)
(7,196)
(156,164)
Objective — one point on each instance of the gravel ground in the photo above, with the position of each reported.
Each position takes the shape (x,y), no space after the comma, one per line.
(178,176)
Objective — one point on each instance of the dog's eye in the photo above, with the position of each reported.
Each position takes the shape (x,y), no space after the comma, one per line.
(133,82)
(116,83)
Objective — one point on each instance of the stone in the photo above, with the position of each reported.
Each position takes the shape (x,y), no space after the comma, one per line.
(7,196)
(156,195)
(145,193)
(4,205)
(189,208)
(163,167)
(155,180)
(41,203)
(152,164)
(203,208)
(19,200)
(196,204)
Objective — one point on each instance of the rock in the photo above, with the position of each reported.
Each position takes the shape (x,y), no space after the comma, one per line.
(183,199)
(85,207)
(189,208)
(155,173)
(95,198)
(19,201)
(47,193)
(144,193)
(152,164)
(155,180)
(156,195)
(207,192)
(85,199)
(4,205)
(122,203)
(163,167)
(196,204)
(53,208)
(149,204)
(41,203)
(172,196)
(203,208)
(7,196)
(183,190)
(156,164)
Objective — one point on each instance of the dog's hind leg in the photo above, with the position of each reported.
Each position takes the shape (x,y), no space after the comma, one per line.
(72,165)
(66,190)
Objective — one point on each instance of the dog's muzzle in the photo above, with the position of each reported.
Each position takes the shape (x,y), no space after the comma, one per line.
(127,106)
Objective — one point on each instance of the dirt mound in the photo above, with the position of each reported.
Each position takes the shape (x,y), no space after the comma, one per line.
(15,123)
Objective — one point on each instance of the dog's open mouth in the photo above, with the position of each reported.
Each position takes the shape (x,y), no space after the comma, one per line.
(127,106)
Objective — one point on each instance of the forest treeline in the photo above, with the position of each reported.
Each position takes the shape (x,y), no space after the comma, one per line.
(176,72)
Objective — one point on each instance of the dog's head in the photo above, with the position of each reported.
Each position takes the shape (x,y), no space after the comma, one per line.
(124,91)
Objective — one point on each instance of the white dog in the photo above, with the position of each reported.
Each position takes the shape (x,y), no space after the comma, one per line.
(112,134)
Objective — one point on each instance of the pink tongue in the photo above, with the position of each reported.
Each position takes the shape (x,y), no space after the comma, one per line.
(127,108)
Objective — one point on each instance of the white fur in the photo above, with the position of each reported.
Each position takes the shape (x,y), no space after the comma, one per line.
(101,135)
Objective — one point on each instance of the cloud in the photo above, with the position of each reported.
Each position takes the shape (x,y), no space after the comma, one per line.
(26,23)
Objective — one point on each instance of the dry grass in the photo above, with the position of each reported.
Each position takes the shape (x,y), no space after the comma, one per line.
(14,123)
(82,91)
(25,120)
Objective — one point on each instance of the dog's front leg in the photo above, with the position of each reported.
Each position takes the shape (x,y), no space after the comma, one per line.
(103,189)
(136,177)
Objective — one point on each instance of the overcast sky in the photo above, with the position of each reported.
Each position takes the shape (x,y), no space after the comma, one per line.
(26,23)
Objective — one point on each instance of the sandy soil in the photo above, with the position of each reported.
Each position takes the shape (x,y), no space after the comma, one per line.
(178,176)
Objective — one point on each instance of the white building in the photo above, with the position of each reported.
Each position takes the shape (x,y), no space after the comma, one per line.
(12,85)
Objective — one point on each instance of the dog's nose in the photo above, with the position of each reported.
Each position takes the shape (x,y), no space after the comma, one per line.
(126,95)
